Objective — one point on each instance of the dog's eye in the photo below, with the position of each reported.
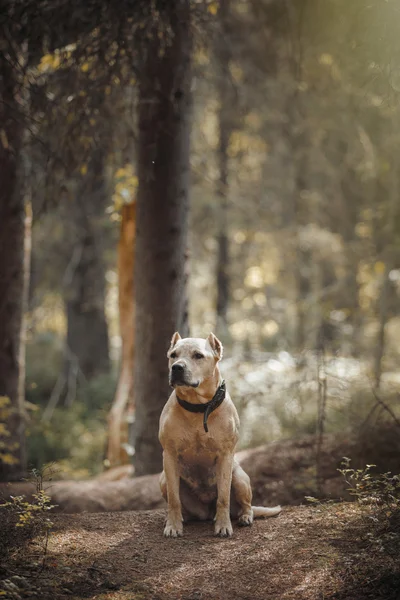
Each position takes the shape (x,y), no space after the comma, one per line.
(172,355)
(197,355)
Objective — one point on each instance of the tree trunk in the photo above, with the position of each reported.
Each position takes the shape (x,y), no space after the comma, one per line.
(302,290)
(123,404)
(12,445)
(389,260)
(225,127)
(162,219)
(87,349)
(297,216)
(383,318)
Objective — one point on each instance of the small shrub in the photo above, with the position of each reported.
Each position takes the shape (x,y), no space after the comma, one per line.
(22,519)
(27,512)
(382,491)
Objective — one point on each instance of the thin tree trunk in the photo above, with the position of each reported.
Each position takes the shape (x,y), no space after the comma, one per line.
(297,216)
(12,443)
(388,254)
(302,290)
(225,127)
(383,317)
(26,172)
(87,333)
(353,286)
(321,416)
(123,403)
(162,219)
(25,301)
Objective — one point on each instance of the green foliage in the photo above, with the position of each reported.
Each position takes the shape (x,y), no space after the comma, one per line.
(381,491)
(97,394)
(29,512)
(72,436)
(379,496)
(5,445)
(44,364)
(44,360)
(22,519)
(75,439)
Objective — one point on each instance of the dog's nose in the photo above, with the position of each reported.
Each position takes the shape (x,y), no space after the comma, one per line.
(177,368)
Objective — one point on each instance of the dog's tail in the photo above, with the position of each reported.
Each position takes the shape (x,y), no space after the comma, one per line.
(262,511)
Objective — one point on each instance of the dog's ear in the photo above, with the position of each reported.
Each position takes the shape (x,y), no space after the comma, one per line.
(174,340)
(216,346)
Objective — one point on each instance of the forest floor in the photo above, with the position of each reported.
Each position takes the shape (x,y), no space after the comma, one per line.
(333,551)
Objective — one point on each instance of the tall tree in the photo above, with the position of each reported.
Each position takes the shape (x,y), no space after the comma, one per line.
(123,402)
(12,438)
(162,215)
(224,127)
(87,333)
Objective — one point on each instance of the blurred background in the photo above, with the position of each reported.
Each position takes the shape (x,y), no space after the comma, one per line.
(294,234)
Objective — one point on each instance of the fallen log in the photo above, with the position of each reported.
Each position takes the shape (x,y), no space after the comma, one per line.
(283,472)
(141,493)
(280,472)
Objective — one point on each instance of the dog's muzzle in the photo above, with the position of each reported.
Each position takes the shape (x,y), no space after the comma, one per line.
(179,376)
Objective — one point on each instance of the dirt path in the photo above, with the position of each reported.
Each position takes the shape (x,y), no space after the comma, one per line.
(302,554)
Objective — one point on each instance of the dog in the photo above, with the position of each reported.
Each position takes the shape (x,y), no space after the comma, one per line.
(199,429)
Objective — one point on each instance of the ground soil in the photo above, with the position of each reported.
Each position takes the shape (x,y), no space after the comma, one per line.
(307,553)
(331,551)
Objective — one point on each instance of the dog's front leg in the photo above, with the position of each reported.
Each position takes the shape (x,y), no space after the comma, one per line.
(173,526)
(223,525)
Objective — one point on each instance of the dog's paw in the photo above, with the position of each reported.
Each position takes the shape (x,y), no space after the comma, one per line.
(173,530)
(223,528)
(246,520)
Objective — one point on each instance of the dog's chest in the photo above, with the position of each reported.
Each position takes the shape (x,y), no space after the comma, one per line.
(198,447)
(197,459)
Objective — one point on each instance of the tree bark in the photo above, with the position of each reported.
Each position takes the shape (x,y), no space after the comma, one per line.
(87,349)
(123,403)
(224,122)
(162,218)
(12,445)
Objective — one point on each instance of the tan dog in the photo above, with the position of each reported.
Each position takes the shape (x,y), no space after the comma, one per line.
(201,477)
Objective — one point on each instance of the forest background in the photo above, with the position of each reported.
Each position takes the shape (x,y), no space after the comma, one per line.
(290,251)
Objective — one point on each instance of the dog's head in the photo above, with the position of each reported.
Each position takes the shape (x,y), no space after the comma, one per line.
(193,360)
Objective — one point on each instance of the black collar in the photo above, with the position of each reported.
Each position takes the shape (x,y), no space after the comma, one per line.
(208,407)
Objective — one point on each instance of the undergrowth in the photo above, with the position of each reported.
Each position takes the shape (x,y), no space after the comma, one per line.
(380,491)
(23,520)
(373,534)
